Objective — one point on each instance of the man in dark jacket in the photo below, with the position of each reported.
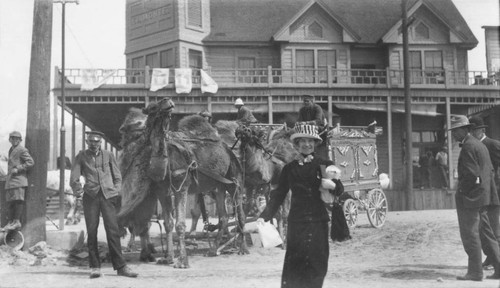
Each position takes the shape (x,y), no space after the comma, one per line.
(475,192)
(478,131)
(311,113)
(100,196)
(20,162)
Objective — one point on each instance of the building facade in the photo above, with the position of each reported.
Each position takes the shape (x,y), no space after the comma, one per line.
(348,54)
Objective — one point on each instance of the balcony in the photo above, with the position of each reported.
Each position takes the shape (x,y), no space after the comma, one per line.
(329,77)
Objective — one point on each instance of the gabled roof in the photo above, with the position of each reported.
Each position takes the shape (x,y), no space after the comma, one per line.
(258,20)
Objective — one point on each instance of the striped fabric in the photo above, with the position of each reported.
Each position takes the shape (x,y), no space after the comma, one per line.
(306,131)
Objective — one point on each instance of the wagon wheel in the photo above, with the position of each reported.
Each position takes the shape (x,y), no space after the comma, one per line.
(377,207)
(350,208)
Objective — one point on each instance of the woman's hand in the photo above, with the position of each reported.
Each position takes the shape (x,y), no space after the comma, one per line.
(328,184)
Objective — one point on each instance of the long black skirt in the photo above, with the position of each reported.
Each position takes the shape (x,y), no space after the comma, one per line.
(306,258)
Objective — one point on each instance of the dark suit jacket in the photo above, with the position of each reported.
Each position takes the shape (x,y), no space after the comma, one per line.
(494,150)
(473,162)
(19,158)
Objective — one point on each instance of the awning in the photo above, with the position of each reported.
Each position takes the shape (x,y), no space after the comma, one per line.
(416,109)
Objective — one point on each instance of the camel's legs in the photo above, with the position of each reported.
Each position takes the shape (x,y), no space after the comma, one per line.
(180,224)
(168,223)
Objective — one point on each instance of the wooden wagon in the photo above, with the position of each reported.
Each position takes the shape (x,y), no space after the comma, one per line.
(354,151)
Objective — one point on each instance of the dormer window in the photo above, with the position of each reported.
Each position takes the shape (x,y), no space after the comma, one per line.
(421,31)
(314,31)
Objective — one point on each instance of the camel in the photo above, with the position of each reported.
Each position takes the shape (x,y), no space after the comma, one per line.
(261,169)
(165,165)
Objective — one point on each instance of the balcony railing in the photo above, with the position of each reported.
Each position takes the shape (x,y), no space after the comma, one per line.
(323,77)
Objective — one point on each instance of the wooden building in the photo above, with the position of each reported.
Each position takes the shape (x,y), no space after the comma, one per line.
(348,54)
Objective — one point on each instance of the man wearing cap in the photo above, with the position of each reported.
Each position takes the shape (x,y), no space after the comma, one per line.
(100,197)
(245,115)
(311,113)
(20,161)
(478,131)
(475,191)
(205,114)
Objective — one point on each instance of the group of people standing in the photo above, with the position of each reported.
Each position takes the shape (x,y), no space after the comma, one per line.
(477,199)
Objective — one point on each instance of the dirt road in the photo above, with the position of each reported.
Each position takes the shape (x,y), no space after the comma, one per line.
(413,249)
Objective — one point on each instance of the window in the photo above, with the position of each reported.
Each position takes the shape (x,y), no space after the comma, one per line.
(152,60)
(167,58)
(195,63)
(304,65)
(246,72)
(194,12)
(416,67)
(314,31)
(326,58)
(434,67)
(134,75)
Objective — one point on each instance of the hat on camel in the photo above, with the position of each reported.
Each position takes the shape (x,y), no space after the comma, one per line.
(306,131)
(458,121)
(477,122)
(94,135)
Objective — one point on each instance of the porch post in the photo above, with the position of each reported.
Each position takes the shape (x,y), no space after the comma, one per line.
(330,110)
(389,138)
(73,137)
(270,108)
(449,142)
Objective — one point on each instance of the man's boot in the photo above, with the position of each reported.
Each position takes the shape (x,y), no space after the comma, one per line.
(496,274)
(6,227)
(16,225)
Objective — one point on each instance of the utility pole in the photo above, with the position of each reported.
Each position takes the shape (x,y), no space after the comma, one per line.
(38,122)
(409,130)
(62,148)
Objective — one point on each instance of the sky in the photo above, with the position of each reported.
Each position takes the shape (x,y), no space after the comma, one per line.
(95,38)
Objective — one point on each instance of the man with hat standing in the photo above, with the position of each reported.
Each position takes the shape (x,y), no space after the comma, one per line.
(475,191)
(245,115)
(100,197)
(478,131)
(20,161)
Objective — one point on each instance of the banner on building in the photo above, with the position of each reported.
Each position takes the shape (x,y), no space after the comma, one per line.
(208,85)
(159,78)
(183,80)
(93,78)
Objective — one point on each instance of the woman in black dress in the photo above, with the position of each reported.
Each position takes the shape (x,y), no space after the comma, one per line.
(306,258)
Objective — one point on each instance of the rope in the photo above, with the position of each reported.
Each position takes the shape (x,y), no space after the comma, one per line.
(192,165)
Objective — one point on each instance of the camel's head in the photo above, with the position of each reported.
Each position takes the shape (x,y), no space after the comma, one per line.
(133,125)
(249,135)
(164,106)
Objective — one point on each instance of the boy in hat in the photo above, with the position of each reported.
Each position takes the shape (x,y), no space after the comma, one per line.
(478,131)
(20,161)
(100,196)
(475,191)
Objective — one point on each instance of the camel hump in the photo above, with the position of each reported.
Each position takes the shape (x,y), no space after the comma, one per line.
(195,126)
